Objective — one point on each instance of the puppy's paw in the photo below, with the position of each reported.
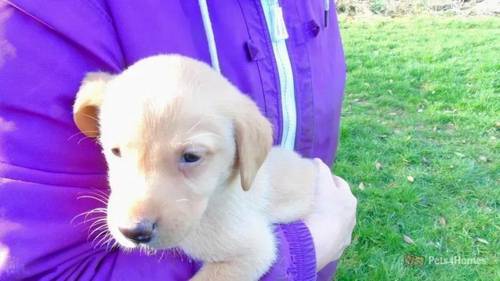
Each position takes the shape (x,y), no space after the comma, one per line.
(223,271)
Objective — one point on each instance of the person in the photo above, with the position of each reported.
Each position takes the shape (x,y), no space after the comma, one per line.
(287,56)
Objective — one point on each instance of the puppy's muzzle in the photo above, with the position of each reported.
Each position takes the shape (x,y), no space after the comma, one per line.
(139,233)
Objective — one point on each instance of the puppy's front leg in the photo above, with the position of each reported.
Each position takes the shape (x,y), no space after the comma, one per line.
(247,268)
(224,271)
(249,265)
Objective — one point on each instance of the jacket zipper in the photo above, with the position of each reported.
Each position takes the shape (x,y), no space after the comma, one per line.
(209,33)
(277,30)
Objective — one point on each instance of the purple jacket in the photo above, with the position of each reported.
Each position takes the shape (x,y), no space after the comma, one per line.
(283,57)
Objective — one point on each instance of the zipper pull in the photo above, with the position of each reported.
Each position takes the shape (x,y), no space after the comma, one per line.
(278,23)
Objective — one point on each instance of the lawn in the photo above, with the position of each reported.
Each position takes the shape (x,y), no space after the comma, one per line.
(419,146)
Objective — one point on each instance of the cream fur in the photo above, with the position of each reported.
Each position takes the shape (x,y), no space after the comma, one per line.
(219,210)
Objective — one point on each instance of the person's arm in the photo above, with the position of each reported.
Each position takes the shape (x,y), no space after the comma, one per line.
(318,243)
(333,218)
(45,167)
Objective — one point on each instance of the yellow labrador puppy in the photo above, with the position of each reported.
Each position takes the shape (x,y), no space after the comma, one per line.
(191,165)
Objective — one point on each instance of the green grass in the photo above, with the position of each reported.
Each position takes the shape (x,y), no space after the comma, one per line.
(423,100)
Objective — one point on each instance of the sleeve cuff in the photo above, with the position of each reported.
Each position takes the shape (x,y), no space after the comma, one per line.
(302,254)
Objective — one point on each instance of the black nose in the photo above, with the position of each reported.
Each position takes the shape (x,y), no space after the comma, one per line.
(141,232)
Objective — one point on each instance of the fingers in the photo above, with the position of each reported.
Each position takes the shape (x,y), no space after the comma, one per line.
(340,182)
(345,188)
(334,216)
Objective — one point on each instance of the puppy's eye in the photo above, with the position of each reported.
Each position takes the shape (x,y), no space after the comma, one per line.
(188,157)
(116,151)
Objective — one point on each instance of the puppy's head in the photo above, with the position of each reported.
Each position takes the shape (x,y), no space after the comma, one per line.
(174,132)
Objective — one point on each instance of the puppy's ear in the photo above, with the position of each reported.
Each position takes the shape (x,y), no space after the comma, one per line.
(87,103)
(254,138)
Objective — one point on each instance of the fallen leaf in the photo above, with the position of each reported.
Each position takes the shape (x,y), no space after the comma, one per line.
(408,239)
(497,124)
(410,179)
(481,240)
(420,110)
(435,129)
(437,244)
(378,165)
(361,186)
(442,221)
(483,158)
(461,155)
(408,138)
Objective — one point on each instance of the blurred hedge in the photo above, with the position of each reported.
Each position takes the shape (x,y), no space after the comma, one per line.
(417,7)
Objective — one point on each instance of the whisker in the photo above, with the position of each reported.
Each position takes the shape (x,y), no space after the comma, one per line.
(104,237)
(162,255)
(80,133)
(82,139)
(114,244)
(88,213)
(202,135)
(109,243)
(91,117)
(194,126)
(99,192)
(104,193)
(101,200)
(99,223)
(93,239)
(98,230)
(88,220)
(74,135)
(99,237)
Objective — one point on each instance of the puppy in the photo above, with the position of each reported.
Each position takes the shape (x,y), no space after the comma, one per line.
(191,165)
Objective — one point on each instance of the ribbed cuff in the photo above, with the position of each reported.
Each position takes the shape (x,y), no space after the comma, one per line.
(302,254)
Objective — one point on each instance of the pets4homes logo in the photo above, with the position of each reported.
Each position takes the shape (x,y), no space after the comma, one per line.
(414,260)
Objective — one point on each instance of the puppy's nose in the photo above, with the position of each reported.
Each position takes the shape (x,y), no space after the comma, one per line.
(141,232)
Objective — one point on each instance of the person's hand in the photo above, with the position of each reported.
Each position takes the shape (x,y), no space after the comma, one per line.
(333,217)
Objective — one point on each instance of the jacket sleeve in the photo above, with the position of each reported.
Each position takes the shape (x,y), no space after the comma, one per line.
(297,258)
